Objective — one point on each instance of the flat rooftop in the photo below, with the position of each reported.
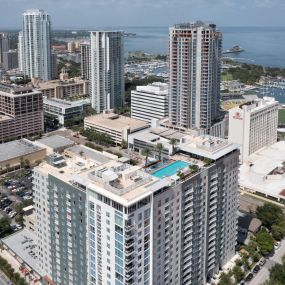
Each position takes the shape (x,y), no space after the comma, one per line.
(265,171)
(258,104)
(158,88)
(64,103)
(92,154)
(189,142)
(116,180)
(206,146)
(16,90)
(56,141)
(23,245)
(42,85)
(17,148)
(115,122)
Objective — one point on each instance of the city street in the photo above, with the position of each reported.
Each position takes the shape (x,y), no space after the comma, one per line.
(4,280)
(263,274)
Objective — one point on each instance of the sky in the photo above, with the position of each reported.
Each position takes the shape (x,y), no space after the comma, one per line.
(88,14)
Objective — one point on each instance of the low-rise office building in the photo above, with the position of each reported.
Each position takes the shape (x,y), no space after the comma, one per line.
(253,125)
(55,143)
(16,153)
(150,102)
(116,126)
(64,110)
(21,112)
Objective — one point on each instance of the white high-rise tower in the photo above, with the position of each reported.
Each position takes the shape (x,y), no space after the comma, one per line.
(35,45)
(107,70)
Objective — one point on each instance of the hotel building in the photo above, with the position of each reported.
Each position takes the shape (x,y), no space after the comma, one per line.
(253,125)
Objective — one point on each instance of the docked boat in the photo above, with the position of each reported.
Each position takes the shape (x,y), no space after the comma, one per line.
(234,49)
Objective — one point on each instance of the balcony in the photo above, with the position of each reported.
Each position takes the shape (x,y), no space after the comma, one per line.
(129,242)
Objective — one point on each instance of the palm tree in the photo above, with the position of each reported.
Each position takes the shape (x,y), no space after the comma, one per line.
(159,149)
(146,152)
(173,142)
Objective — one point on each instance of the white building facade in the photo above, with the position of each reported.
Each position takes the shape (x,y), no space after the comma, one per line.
(35,45)
(107,70)
(194,91)
(254,125)
(150,102)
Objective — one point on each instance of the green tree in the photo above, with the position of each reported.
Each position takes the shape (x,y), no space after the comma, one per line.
(193,168)
(124,144)
(278,231)
(159,149)
(270,214)
(277,274)
(238,273)
(225,279)
(173,142)
(146,152)
(265,242)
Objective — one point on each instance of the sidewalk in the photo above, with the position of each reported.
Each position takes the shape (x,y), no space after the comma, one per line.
(16,265)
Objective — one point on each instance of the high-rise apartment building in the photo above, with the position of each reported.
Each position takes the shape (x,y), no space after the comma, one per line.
(195,53)
(54,74)
(253,125)
(85,60)
(141,226)
(60,212)
(21,112)
(10,59)
(35,45)
(4,45)
(150,102)
(107,70)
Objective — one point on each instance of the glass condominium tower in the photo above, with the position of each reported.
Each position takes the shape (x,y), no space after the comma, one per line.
(107,70)
(35,45)
(195,53)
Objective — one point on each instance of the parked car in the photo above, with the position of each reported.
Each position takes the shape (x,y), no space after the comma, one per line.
(256,268)
(12,214)
(262,262)
(249,277)
(18,227)
(27,197)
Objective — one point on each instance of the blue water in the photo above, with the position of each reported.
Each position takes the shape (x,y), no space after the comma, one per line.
(263,45)
(170,169)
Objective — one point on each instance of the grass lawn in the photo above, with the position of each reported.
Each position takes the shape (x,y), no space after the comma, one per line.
(227,77)
(281,116)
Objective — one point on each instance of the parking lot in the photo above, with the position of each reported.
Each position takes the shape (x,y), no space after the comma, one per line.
(15,190)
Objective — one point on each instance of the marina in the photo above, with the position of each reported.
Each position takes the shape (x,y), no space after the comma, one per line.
(148,68)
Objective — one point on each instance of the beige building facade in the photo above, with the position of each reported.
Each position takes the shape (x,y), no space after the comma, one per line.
(21,112)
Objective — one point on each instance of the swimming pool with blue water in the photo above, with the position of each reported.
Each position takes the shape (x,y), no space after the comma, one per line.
(170,169)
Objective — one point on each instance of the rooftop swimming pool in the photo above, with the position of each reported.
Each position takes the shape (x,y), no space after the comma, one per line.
(170,169)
